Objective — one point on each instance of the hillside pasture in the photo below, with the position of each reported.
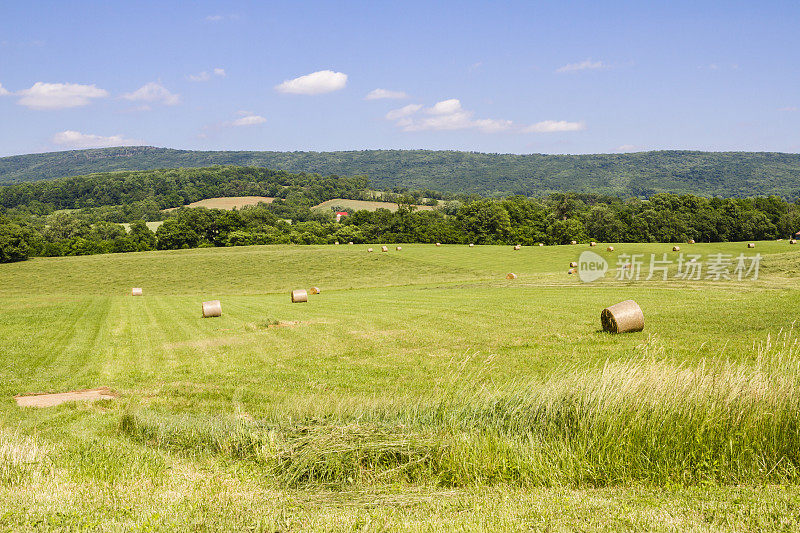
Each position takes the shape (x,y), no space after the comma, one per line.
(364,205)
(421,390)
(228,203)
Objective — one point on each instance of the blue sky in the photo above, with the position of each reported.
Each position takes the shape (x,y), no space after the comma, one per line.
(510,77)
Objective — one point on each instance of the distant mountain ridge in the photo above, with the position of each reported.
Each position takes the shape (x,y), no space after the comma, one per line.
(728,174)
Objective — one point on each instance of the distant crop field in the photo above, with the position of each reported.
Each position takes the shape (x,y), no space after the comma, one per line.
(421,390)
(233,202)
(364,205)
(153,226)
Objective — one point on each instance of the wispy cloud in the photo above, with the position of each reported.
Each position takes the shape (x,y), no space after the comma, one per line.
(248,119)
(220,18)
(587,64)
(320,82)
(449,115)
(76,139)
(790,108)
(205,75)
(4,91)
(385,94)
(552,126)
(154,93)
(49,96)
(629,148)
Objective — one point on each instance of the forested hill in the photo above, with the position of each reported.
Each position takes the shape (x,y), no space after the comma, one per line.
(729,174)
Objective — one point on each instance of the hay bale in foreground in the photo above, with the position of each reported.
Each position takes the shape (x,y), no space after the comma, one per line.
(751,245)
(511,275)
(573,264)
(471,245)
(571,271)
(351,242)
(369,249)
(299,296)
(592,243)
(624,317)
(314,290)
(610,249)
(438,244)
(399,248)
(517,247)
(793,241)
(136,291)
(212,309)
(690,241)
(384,248)
(573,242)
(676,248)
(541,244)
(336,243)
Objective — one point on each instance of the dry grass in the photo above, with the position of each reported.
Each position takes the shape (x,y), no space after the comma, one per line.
(228,203)
(364,205)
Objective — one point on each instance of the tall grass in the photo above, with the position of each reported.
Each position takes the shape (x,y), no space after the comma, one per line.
(643,420)
(20,457)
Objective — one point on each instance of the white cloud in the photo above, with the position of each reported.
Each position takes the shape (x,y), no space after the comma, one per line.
(551,126)
(323,81)
(382,94)
(76,139)
(59,95)
(153,92)
(410,109)
(444,115)
(787,108)
(3,91)
(249,120)
(583,65)
(629,148)
(205,76)
(450,115)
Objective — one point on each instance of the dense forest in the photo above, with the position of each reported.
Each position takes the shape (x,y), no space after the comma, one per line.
(81,215)
(726,174)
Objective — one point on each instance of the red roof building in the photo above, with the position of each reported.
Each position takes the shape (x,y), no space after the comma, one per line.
(340,214)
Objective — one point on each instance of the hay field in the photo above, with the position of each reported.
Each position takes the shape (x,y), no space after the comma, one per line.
(421,390)
(228,203)
(364,205)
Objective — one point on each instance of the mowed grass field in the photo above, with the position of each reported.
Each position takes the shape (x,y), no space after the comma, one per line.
(421,390)
(365,205)
(228,202)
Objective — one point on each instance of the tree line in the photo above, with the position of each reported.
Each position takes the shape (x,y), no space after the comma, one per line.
(555,219)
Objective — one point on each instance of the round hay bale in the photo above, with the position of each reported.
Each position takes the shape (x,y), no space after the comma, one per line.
(351,242)
(136,291)
(751,245)
(676,248)
(511,275)
(314,290)
(610,249)
(471,245)
(384,248)
(573,264)
(369,249)
(624,317)
(399,248)
(541,244)
(571,271)
(336,243)
(517,247)
(299,296)
(573,242)
(793,241)
(438,244)
(690,241)
(212,309)
(592,243)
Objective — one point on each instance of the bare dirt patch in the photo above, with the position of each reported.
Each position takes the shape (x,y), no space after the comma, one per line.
(51,400)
